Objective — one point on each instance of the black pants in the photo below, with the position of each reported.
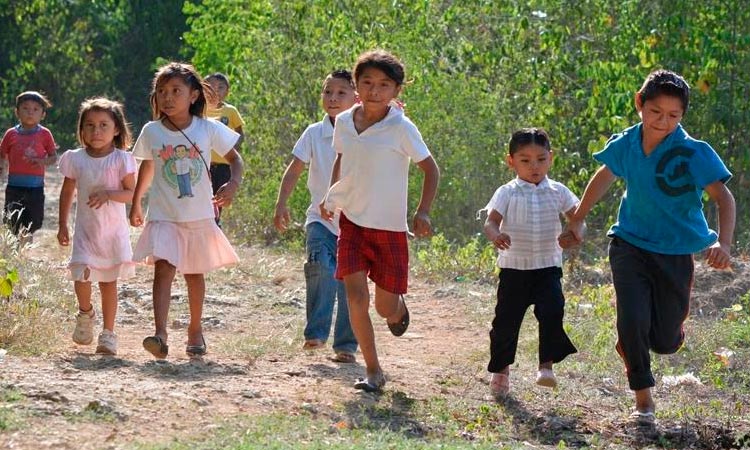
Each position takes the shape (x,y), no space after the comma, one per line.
(653,301)
(220,175)
(24,208)
(516,291)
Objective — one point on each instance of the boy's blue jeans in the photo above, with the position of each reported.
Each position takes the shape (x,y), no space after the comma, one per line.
(323,290)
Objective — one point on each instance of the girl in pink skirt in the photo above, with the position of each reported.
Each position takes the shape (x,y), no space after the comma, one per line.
(102,172)
(180,231)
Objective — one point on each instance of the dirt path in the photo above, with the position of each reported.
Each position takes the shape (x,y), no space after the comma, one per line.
(73,399)
(261,300)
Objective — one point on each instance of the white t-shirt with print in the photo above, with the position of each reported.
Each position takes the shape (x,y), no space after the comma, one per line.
(167,148)
(315,148)
(374,178)
(531,217)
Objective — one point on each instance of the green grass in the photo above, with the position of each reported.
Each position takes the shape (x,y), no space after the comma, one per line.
(30,317)
(307,432)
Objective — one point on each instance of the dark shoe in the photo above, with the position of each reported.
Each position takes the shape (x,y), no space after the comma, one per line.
(156,346)
(196,350)
(374,384)
(400,327)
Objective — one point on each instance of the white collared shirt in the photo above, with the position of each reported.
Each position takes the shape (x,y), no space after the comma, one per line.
(315,148)
(531,217)
(374,178)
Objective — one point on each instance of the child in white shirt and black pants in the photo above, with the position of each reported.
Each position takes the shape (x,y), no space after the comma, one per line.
(526,212)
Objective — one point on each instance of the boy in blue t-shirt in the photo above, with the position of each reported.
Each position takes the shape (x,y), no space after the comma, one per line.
(659,226)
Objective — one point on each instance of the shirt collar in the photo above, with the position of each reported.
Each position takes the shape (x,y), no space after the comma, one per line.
(679,134)
(544,184)
(327,126)
(21,130)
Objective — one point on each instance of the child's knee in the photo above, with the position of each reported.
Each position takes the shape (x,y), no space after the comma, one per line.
(667,346)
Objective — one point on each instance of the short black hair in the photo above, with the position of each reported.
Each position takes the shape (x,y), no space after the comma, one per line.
(380,59)
(33,96)
(218,76)
(527,136)
(665,82)
(342,74)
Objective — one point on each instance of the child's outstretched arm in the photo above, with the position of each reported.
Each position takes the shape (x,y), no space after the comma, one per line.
(124,195)
(595,190)
(282,217)
(145,177)
(66,200)
(492,230)
(422,224)
(225,194)
(718,255)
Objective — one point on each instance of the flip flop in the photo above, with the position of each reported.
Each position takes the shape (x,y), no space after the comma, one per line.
(196,350)
(400,327)
(156,346)
(367,385)
(313,344)
(344,357)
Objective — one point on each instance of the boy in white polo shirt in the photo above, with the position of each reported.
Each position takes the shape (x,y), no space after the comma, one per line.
(375,144)
(314,148)
(524,223)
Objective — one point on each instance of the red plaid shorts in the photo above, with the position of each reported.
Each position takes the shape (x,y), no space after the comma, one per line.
(382,254)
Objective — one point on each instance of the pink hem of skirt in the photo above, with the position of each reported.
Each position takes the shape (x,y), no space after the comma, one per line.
(192,247)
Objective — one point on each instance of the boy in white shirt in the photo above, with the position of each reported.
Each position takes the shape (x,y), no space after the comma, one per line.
(375,144)
(528,210)
(314,148)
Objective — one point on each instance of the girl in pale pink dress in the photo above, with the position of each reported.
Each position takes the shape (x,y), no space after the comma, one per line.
(180,231)
(103,173)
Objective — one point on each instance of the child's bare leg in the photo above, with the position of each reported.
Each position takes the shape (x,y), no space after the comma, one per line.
(545,365)
(388,305)
(83,294)
(196,287)
(109,304)
(162,292)
(644,402)
(358,296)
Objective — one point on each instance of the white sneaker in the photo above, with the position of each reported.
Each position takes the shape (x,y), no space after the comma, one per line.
(84,332)
(107,343)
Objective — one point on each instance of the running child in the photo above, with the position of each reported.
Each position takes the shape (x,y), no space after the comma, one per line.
(103,173)
(180,232)
(227,114)
(523,223)
(374,143)
(315,148)
(660,225)
(28,148)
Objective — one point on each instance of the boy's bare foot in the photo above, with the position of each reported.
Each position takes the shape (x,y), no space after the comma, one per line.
(546,377)
(500,384)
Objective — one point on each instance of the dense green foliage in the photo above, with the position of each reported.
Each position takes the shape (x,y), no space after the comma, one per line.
(478,70)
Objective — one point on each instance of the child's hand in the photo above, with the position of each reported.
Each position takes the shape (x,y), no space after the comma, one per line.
(717,256)
(281,218)
(98,199)
(225,194)
(136,214)
(63,237)
(573,234)
(422,225)
(502,241)
(324,212)
(567,239)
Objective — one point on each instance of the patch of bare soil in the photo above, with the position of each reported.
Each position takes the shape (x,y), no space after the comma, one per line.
(74,399)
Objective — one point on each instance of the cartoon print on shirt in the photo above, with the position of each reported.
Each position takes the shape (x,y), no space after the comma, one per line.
(182,168)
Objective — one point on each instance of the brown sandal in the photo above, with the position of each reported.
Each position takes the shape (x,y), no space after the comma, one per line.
(344,357)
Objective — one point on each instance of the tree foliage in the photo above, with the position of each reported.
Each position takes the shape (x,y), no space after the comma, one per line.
(478,71)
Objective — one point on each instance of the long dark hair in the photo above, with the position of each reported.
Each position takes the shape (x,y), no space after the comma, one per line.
(188,74)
